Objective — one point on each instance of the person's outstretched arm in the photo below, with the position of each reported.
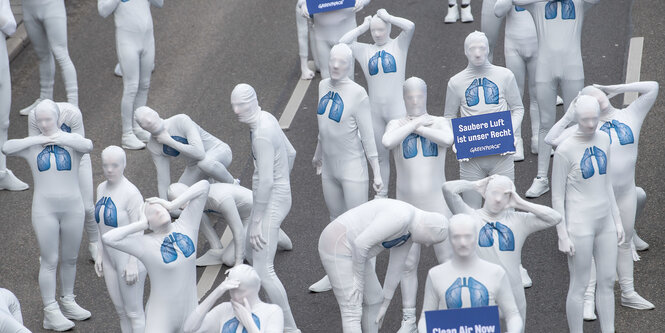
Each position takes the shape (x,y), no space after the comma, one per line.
(453,103)
(451,193)
(560,131)
(647,90)
(351,36)
(193,149)
(122,238)
(195,197)
(559,178)
(19,146)
(364,121)
(72,140)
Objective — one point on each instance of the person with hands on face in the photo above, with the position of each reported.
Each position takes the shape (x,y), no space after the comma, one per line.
(244,312)
(119,203)
(498,216)
(168,254)
(54,158)
(591,227)
(206,156)
(349,243)
(273,157)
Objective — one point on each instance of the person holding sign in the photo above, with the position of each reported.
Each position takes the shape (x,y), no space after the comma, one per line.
(329,26)
(419,143)
(348,244)
(591,227)
(483,88)
(623,129)
(498,216)
(485,283)
(384,65)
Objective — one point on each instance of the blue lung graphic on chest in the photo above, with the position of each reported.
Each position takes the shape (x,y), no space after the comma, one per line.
(490,90)
(567,9)
(231,326)
(63,161)
(506,236)
(184,243)
(336,109)
(519,9)
(410,146)
(397,242)
(477,292)
(623,131)
(586,164)
(65,128)
(110,211)
(168,150)
(387,63)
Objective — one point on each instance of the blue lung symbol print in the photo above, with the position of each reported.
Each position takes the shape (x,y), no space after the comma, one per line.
(567,9)
(506,236)
(399,241)
(490,89)
(410,146)
(232,325)
(65,128)
(183,242)
(63,161)
(477,292)
(336,109)
(623,131)
(387,63)
(519,9)
(110,212)
(168,150)
(586,165)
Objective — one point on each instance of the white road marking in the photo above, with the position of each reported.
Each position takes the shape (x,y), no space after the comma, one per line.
(294,102)
(633,67)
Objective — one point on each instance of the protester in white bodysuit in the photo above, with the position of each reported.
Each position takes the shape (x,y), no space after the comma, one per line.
(512,228)
(305,39)
(591,226)
(11,319)
(499,92)
(7,28)
(348,244)
(490,24)
(329,27)
(384,65)
(206,156)
(273,157)
(245,312)
(487,283)
(45,22)
(623,129)
(135,44)
(119,203)
(418,143)
(168,254)
(54,158)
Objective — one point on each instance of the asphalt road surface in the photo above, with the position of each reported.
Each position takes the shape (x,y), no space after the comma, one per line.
(206,47)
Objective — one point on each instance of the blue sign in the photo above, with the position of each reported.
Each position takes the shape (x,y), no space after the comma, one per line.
(468,320)
(482,135)
(320,6)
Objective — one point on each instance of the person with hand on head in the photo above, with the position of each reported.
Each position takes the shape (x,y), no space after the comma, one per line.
(487,283)
(499,93)
(623,127)
(349,243)
(206,156)
(384,65)
(591,227)
(11,319)
(119,203)
(135,42)
(168,253)
(244,312)
(54,157)
(273,157)
(498,216)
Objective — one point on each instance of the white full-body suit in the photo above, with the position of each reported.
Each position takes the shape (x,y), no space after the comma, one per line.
(7,28)
(499,92)
(623,127)
(206,156)
(306,40)
(168,254)
(135,44)
(348,244)
(499,217)
(54,157)
(487,283)
(384,66)
(11,319)
(71,121)
(582,193)
(490,24)
(273,157)
(118,204)
(46,24)
(418,143)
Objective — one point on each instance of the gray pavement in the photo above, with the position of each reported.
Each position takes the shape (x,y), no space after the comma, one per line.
(206,47)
